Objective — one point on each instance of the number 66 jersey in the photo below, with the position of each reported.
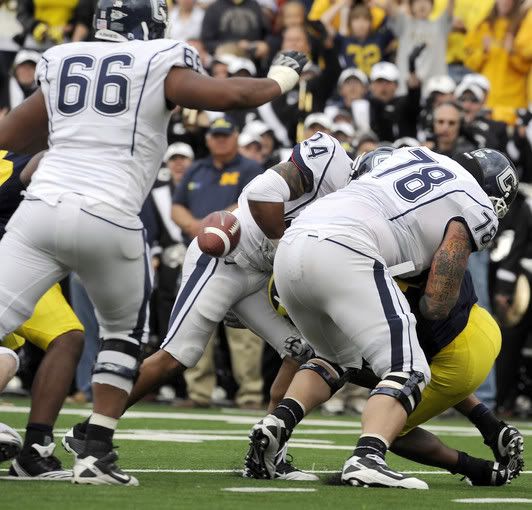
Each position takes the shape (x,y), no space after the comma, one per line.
(108,118)
(402,207)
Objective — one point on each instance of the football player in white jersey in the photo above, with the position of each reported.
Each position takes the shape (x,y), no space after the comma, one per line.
(417,209)
(211,287)
(103,109)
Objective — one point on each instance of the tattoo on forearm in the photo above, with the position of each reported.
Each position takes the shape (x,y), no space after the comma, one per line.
(446,273)
(291,174)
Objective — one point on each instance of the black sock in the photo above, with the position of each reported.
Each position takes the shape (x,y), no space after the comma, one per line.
(38,433)
(486,422)
(473,468)
(100,434)
(370,445)
(82,426)
(290,411)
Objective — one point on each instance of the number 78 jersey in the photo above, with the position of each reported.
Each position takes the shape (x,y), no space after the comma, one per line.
(405,204)
(108,118)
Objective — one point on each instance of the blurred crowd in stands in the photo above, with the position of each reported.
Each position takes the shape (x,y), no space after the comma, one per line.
(453,75)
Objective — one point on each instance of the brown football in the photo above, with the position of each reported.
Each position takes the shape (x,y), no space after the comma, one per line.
(220,233)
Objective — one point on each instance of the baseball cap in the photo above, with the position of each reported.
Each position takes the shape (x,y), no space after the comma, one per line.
(245,138)
(470,87)
(318,118)
(343,127)
(384,71)
(257,127)
(477,79)
(26,56)
(224,125)
(241,64)
(442,84)
(178,149)
(353,72)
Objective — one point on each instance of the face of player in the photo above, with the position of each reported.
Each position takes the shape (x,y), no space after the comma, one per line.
(223,147)
(360,27)
(178,165)
(295,39)
(252,151)
(446,125)
(421,9)
(293,14)
(383,90)
(352,89)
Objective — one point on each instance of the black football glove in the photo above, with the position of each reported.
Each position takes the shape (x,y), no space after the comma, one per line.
(286,69)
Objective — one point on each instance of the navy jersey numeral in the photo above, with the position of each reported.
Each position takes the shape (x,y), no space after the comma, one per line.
(111,96)
(417,184)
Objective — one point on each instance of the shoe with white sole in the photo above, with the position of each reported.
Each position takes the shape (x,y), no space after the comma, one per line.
(74,441)
(266,438)
(101,469)
(372,471)
(507,448)
(10,443)
(39,463)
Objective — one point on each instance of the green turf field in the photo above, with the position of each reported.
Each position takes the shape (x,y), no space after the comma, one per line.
(189,459)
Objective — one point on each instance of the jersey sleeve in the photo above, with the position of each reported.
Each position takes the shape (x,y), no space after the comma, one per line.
(482,225)
(185,55)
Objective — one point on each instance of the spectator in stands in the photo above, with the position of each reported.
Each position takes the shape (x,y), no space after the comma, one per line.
(438,89)
(415,29)
(316,122)
(388,116)
(343,132)
(22,80)
(286,114)
(358,44)
(186,19)
(447,129)
(239,21)
(212,184)
(270,155)
(485,131)
(367,142)
(522,44)
(522,141)
(490,50)
(250,146)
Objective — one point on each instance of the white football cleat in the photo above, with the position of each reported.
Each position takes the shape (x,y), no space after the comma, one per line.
(266,439)
(101,471)
(285,470)
(372,471)
(10,443)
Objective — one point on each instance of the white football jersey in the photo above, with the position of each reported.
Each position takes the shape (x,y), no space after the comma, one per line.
(326,168)
(402,207)
(108,118)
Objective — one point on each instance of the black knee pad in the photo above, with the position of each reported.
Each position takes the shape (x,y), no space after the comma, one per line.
(334,375)
(406,387)
(128,349)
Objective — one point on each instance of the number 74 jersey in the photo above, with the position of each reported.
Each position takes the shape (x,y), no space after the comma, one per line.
(403,206)
(108,118)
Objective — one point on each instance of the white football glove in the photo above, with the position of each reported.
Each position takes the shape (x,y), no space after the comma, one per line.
(286,69)
(298,349)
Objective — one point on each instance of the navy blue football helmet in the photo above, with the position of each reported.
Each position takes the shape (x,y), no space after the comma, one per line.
(126,20)
(367,161)
(496,174)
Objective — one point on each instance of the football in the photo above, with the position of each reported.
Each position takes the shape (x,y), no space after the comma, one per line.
(220,233)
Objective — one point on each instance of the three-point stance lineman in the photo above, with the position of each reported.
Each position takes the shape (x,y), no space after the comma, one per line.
(104,107)
(331,268)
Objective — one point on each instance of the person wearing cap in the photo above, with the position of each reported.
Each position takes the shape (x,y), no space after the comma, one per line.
(485,131)
(269,144)
(352,85)
(343,132)
(387,115)
(250,146)
(438,90)
(316,122)
(211,184)
(22,80)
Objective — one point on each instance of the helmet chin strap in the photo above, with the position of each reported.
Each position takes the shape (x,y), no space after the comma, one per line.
(499,204)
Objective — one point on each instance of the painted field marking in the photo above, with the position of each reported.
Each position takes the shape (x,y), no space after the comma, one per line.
(492,500)
(267,489)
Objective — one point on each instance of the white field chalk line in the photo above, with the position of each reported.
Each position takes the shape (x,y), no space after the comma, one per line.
(244,420)
(267,489)
(493,500)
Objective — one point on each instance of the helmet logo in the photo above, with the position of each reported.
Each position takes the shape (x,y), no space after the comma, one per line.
(116,15)
(507,181)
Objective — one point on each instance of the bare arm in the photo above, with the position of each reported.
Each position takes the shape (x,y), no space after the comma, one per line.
(269,216)
(184,219)
(190,89)
(25,129)
(446,273)
(30,168)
